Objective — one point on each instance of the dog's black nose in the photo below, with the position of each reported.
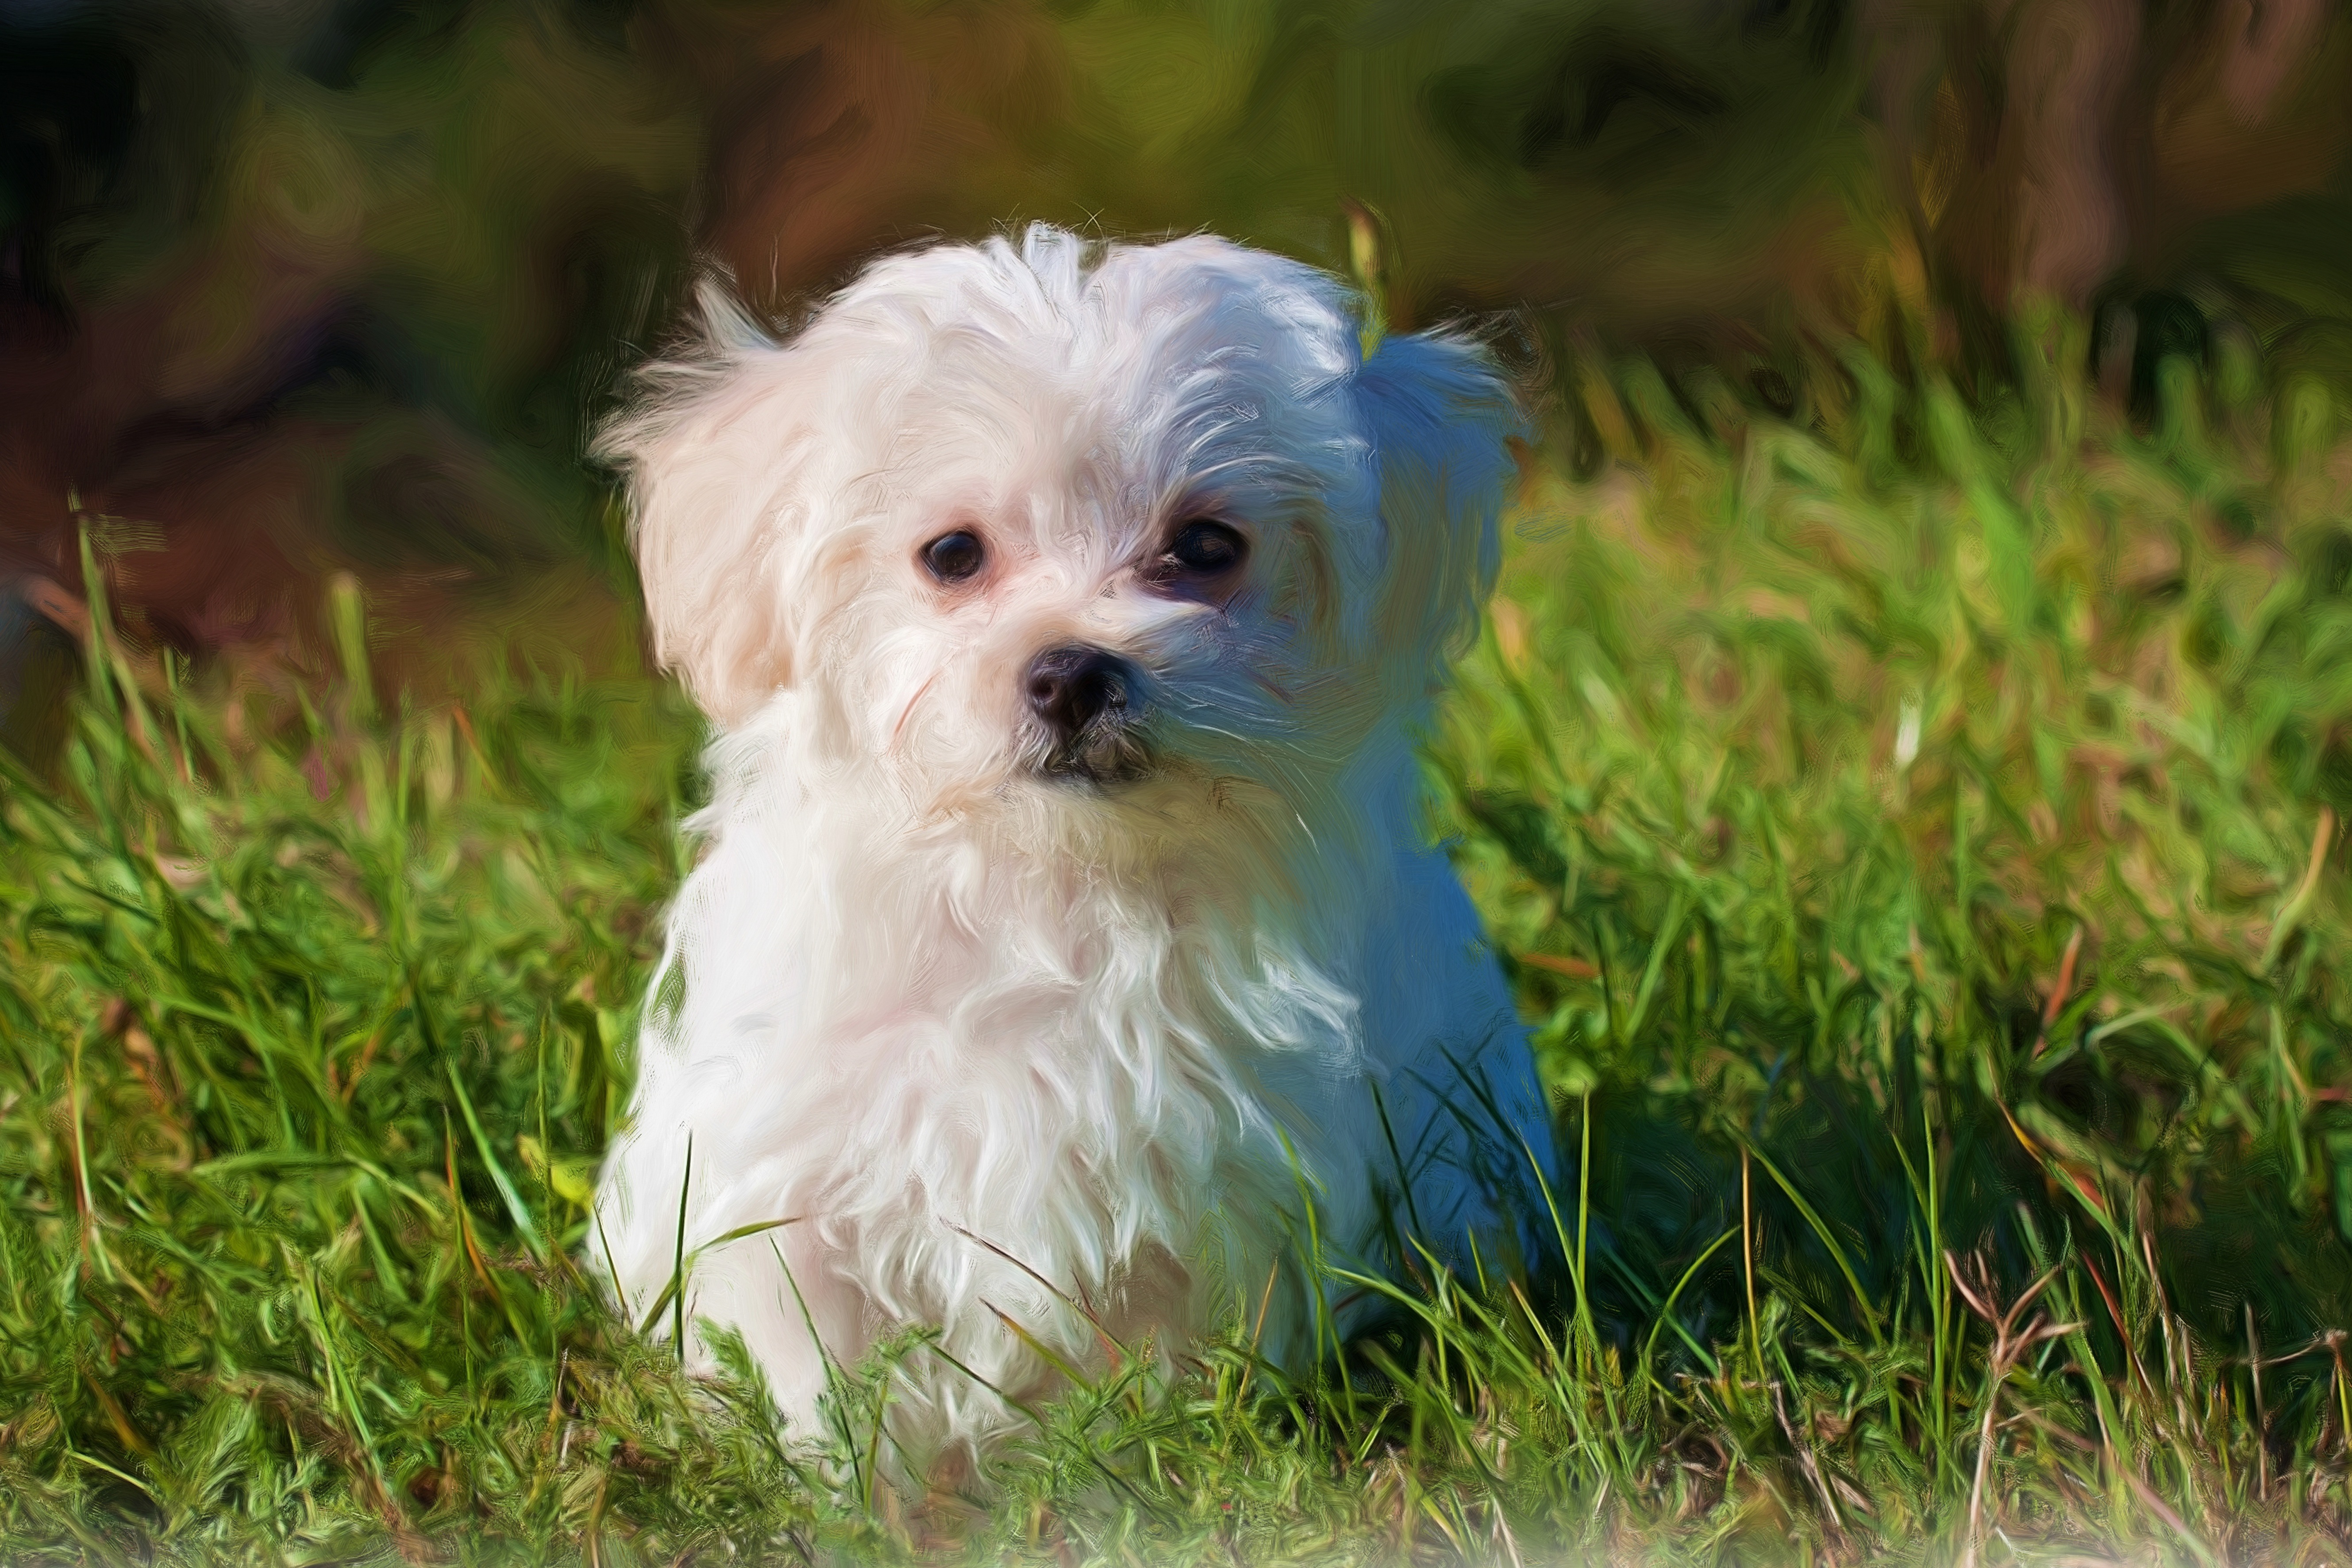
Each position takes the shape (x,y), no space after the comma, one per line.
(1071,687)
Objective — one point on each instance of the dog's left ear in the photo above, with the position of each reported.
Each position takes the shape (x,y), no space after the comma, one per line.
(1441,412)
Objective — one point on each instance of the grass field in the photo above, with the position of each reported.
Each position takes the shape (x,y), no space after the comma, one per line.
(1914,833)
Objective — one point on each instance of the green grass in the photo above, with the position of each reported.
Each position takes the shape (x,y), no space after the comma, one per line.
(1912,833)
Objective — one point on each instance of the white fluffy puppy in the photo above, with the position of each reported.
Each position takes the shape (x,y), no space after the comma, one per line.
(1066,613)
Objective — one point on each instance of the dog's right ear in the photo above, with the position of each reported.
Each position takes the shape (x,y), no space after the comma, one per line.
(1440,412)
(713,450)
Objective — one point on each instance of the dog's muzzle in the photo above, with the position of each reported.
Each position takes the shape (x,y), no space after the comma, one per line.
(1087,704)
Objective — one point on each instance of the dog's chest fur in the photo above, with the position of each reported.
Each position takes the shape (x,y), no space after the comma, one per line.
(952,1060)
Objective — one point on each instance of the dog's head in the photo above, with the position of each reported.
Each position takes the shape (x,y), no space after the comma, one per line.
(1069,518)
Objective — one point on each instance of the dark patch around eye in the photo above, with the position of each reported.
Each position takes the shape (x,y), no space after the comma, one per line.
(1205,548)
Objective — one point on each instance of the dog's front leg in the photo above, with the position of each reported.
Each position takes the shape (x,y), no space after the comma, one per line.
(803,1322)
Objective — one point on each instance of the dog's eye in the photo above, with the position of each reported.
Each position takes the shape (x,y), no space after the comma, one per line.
(1206,549)
(954,557)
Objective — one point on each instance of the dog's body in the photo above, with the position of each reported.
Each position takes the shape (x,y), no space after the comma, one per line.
(1065,916)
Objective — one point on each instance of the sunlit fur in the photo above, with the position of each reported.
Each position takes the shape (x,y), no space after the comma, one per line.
(958,1019)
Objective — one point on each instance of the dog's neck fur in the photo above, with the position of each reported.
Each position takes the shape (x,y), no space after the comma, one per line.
(1050,925)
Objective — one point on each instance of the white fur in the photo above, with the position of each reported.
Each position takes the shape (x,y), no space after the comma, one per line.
(933,999)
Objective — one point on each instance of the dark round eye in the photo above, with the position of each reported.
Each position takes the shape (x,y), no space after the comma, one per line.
(1207,549)
(954,557)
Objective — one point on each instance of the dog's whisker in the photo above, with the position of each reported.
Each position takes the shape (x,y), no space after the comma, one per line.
(1265,683)
(908,710)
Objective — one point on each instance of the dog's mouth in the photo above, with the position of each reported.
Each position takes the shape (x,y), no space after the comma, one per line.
(1107,752)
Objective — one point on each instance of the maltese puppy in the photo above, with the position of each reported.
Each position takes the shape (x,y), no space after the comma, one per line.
(1067,960)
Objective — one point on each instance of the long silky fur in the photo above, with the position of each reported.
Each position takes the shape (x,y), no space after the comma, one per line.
(992,1043)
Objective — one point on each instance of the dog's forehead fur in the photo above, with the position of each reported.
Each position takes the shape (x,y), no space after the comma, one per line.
(1107,388)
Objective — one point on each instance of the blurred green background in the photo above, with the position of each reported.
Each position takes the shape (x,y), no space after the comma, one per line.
(288,285)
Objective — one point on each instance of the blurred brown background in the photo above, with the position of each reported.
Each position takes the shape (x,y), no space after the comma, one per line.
(294,286)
